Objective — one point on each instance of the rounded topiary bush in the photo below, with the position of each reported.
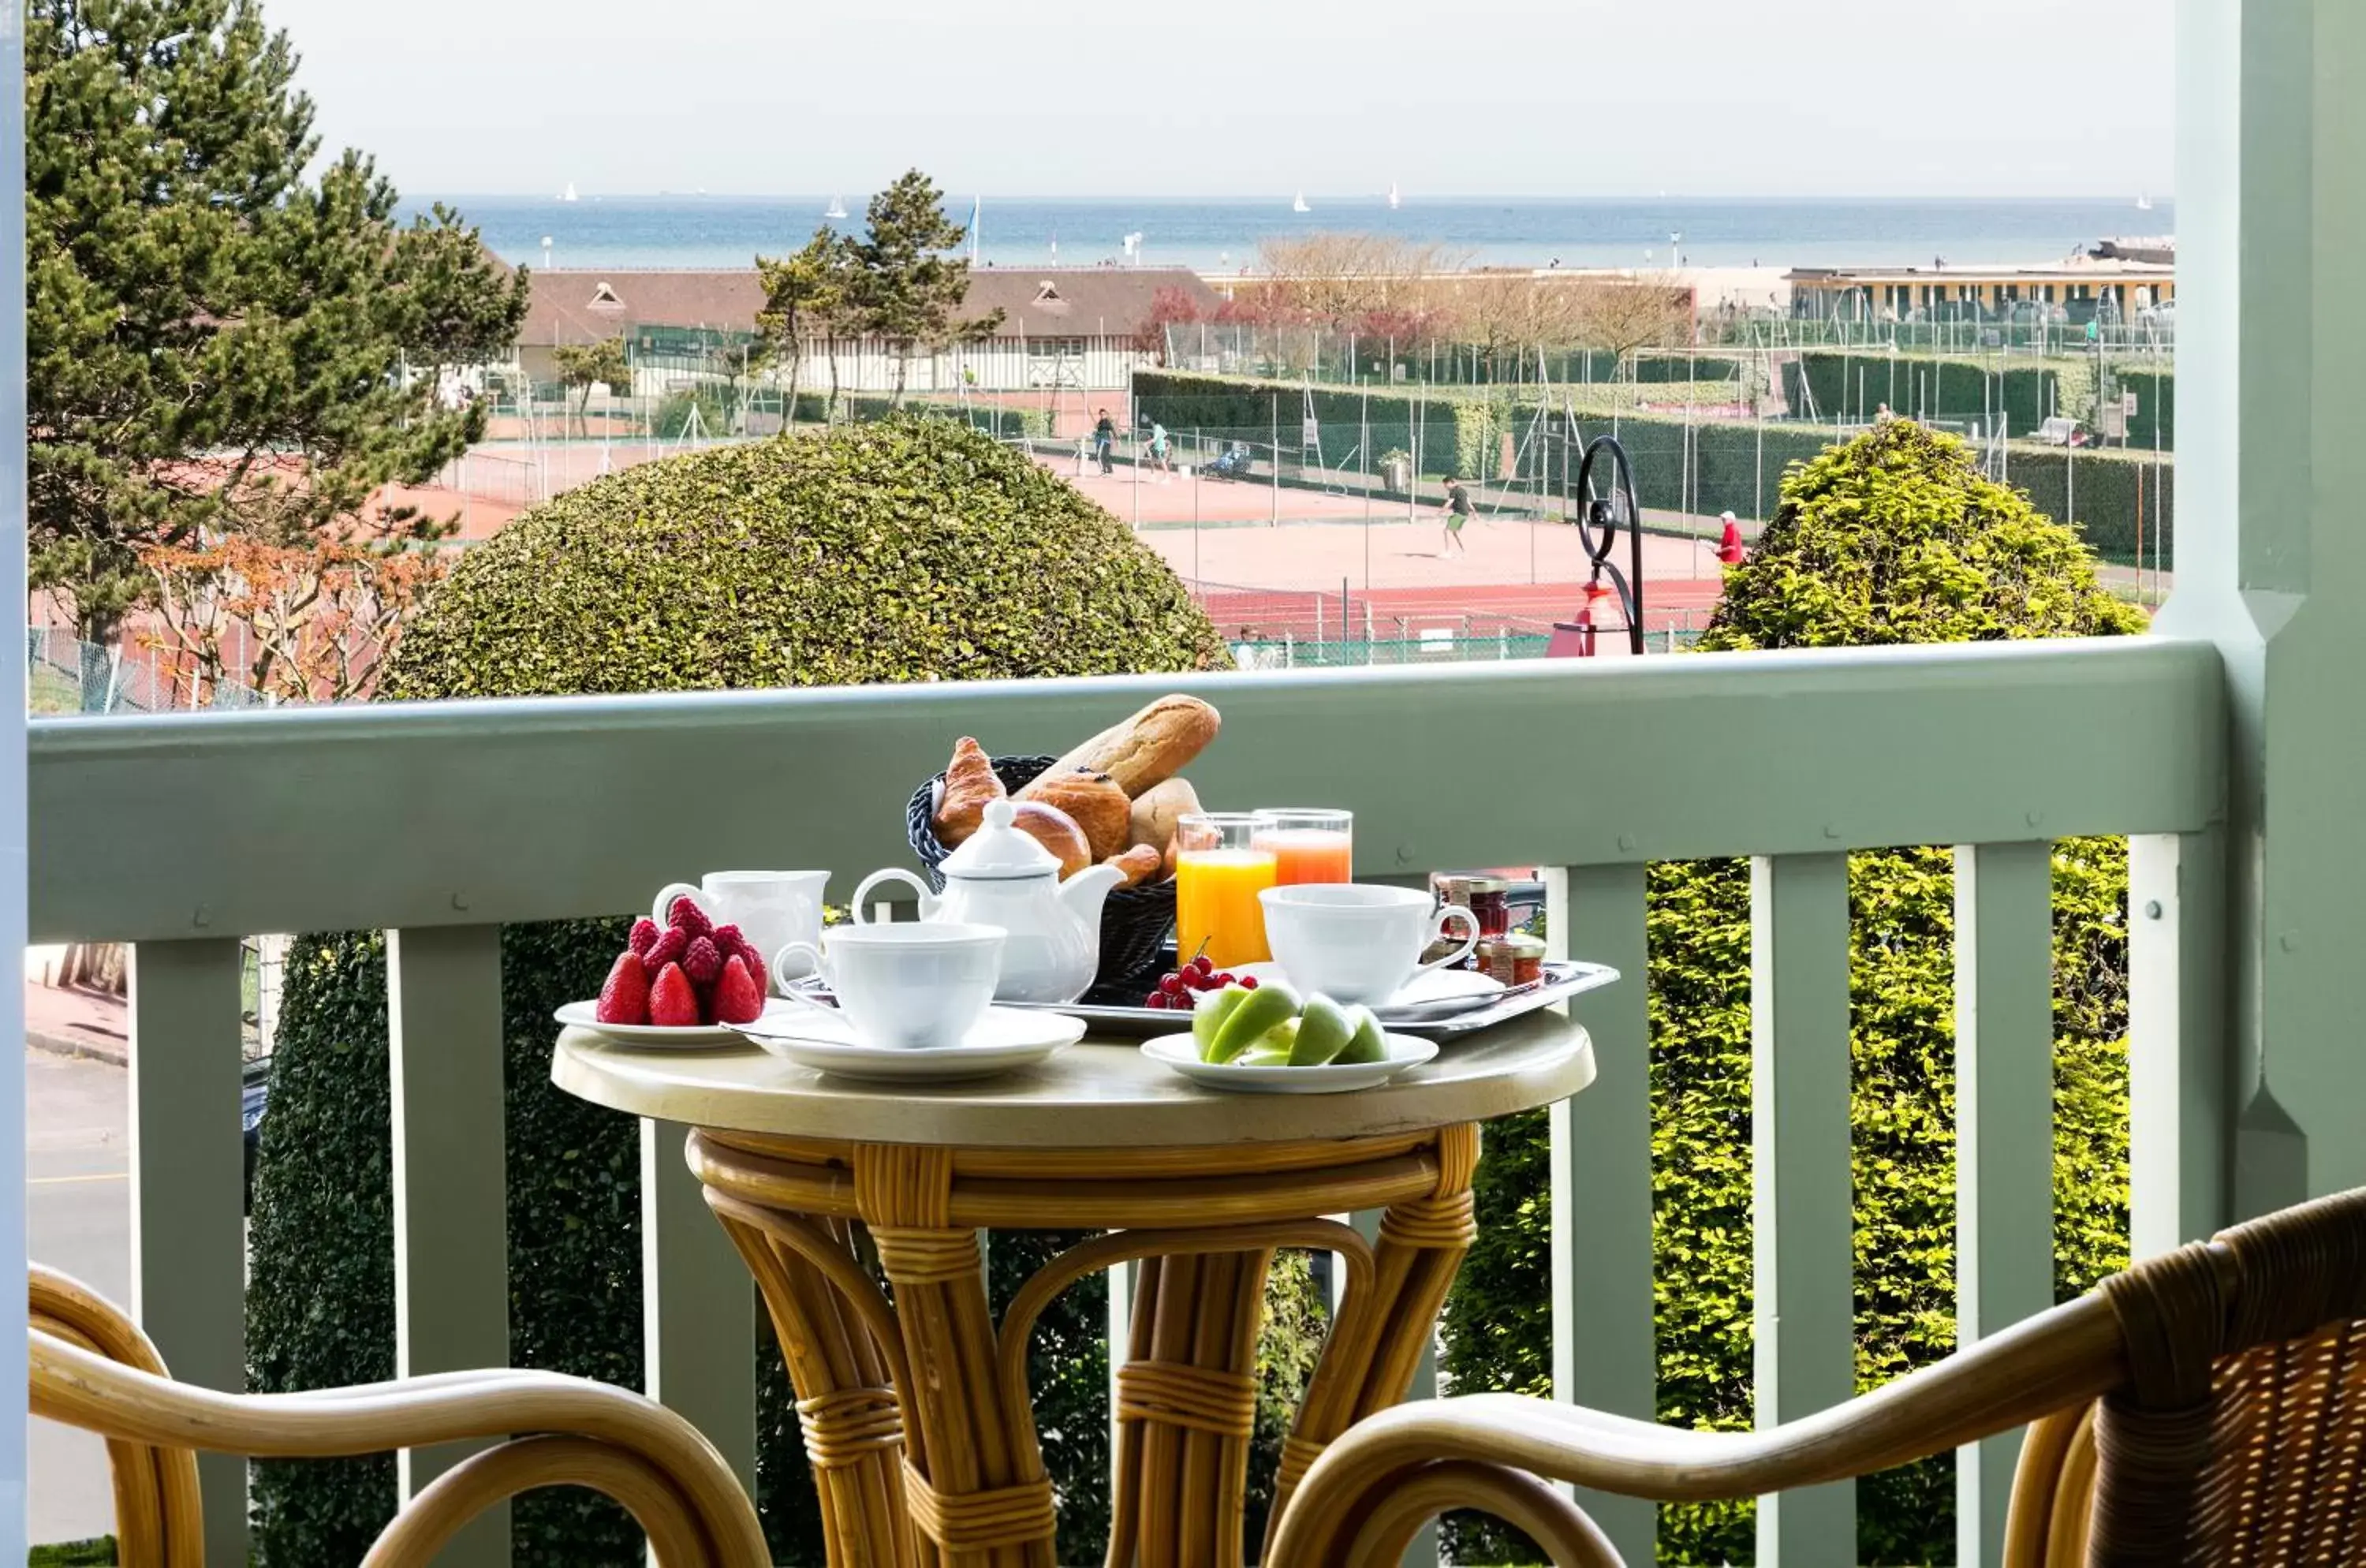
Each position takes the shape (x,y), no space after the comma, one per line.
(1894,537)
(911,550)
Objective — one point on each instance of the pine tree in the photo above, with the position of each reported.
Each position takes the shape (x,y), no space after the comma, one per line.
(902,287)
(214,343)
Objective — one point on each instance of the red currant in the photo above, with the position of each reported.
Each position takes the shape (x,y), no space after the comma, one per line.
(1247,982)
(1171,985)
(1155,999)
(1204,964)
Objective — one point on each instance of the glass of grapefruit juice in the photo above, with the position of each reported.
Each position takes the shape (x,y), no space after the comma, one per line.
(1307,845)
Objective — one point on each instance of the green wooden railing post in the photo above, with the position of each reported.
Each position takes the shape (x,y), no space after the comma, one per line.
(451,1206)
(698,1306)
(2004,1138)
(1605,1355)
(1803,1248)
(188,1247)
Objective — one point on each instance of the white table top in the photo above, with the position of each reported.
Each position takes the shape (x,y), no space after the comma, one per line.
(1093,1095)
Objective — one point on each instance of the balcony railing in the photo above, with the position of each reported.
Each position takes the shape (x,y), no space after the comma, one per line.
(440,822)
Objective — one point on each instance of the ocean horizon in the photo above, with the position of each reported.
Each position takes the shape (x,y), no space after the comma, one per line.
(694,231)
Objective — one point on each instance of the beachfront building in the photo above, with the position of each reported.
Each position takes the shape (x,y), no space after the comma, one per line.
(1082,328)
(2113,289)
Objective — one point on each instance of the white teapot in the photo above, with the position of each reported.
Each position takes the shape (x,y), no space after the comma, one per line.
(1003,877)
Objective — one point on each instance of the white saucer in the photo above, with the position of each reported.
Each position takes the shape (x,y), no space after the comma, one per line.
(586,1015)
(1428,989)
(1005,1040)
(1182,1054)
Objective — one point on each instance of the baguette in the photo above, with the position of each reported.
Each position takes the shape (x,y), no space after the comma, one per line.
(1139,864)
(1156,814)
(1146,750)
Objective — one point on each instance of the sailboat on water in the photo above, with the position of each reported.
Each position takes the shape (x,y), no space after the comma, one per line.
(835,209)
(569,194)
(1395,200)
(2144,204)
(1298,203)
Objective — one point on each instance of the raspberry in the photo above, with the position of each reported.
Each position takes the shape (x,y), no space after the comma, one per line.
(703,961)
(730,938)
(670,948)
(685,915)
(644,935)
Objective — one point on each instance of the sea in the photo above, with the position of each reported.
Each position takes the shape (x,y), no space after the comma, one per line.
(698,230)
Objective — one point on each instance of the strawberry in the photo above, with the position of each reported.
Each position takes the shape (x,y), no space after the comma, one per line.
(669,948)
(738,996)
(624,998)
(685,915)
(703,962)
(644,935)
(673,1003)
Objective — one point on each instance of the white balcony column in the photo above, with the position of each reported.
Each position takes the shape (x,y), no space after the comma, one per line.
(2272,566)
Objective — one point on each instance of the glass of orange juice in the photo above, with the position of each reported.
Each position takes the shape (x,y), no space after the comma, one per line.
(1307,845)
(1219,872)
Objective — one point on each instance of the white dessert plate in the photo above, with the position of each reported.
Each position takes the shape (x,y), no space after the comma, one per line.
(1180,1053)
(704,1037)
(1004,1041)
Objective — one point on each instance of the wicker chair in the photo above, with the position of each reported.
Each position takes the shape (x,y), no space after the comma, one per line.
(91,1368)
(2205,1407)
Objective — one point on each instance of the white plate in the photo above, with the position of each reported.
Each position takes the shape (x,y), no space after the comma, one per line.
(1005,1040)
(1423,990)
(586,1015)
(1181,1052)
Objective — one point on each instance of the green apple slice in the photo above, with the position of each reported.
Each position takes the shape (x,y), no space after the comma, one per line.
(1323,1031)
(1264,1056)
(1369,1043)
(1210,1015)
(1248,1021)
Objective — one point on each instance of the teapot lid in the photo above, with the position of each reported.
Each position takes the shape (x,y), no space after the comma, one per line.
(998,850)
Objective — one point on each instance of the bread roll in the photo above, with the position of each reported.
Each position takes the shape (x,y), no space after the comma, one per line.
(1099,807)
(970,783)
(1155,815)
(1146,750)
(1056,831)
(1141,865)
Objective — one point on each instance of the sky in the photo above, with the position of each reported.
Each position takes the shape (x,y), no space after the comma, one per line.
(1239,98)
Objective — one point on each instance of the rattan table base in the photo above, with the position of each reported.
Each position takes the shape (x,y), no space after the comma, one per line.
(914,1403)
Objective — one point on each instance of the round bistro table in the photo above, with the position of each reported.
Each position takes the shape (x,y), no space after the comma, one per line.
(914,1402)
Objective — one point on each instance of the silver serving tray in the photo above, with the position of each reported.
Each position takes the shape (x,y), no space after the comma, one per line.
(1440,1020)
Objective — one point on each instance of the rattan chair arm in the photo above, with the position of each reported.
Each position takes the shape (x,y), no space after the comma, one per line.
(75,1386)
(2064,1356)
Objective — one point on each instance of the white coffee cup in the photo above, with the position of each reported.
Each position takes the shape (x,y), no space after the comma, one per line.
(1357,944)
(910,986)
(772,908)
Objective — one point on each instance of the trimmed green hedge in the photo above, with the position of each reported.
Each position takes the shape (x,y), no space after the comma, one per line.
(869,407)
(1963,389)
(909,549)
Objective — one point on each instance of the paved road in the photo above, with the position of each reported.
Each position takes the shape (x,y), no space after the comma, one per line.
(78,1218)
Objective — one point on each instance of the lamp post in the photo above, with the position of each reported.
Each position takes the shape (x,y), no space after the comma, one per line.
(1605,512)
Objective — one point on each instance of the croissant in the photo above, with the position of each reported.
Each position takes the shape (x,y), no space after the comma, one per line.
(970,783)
